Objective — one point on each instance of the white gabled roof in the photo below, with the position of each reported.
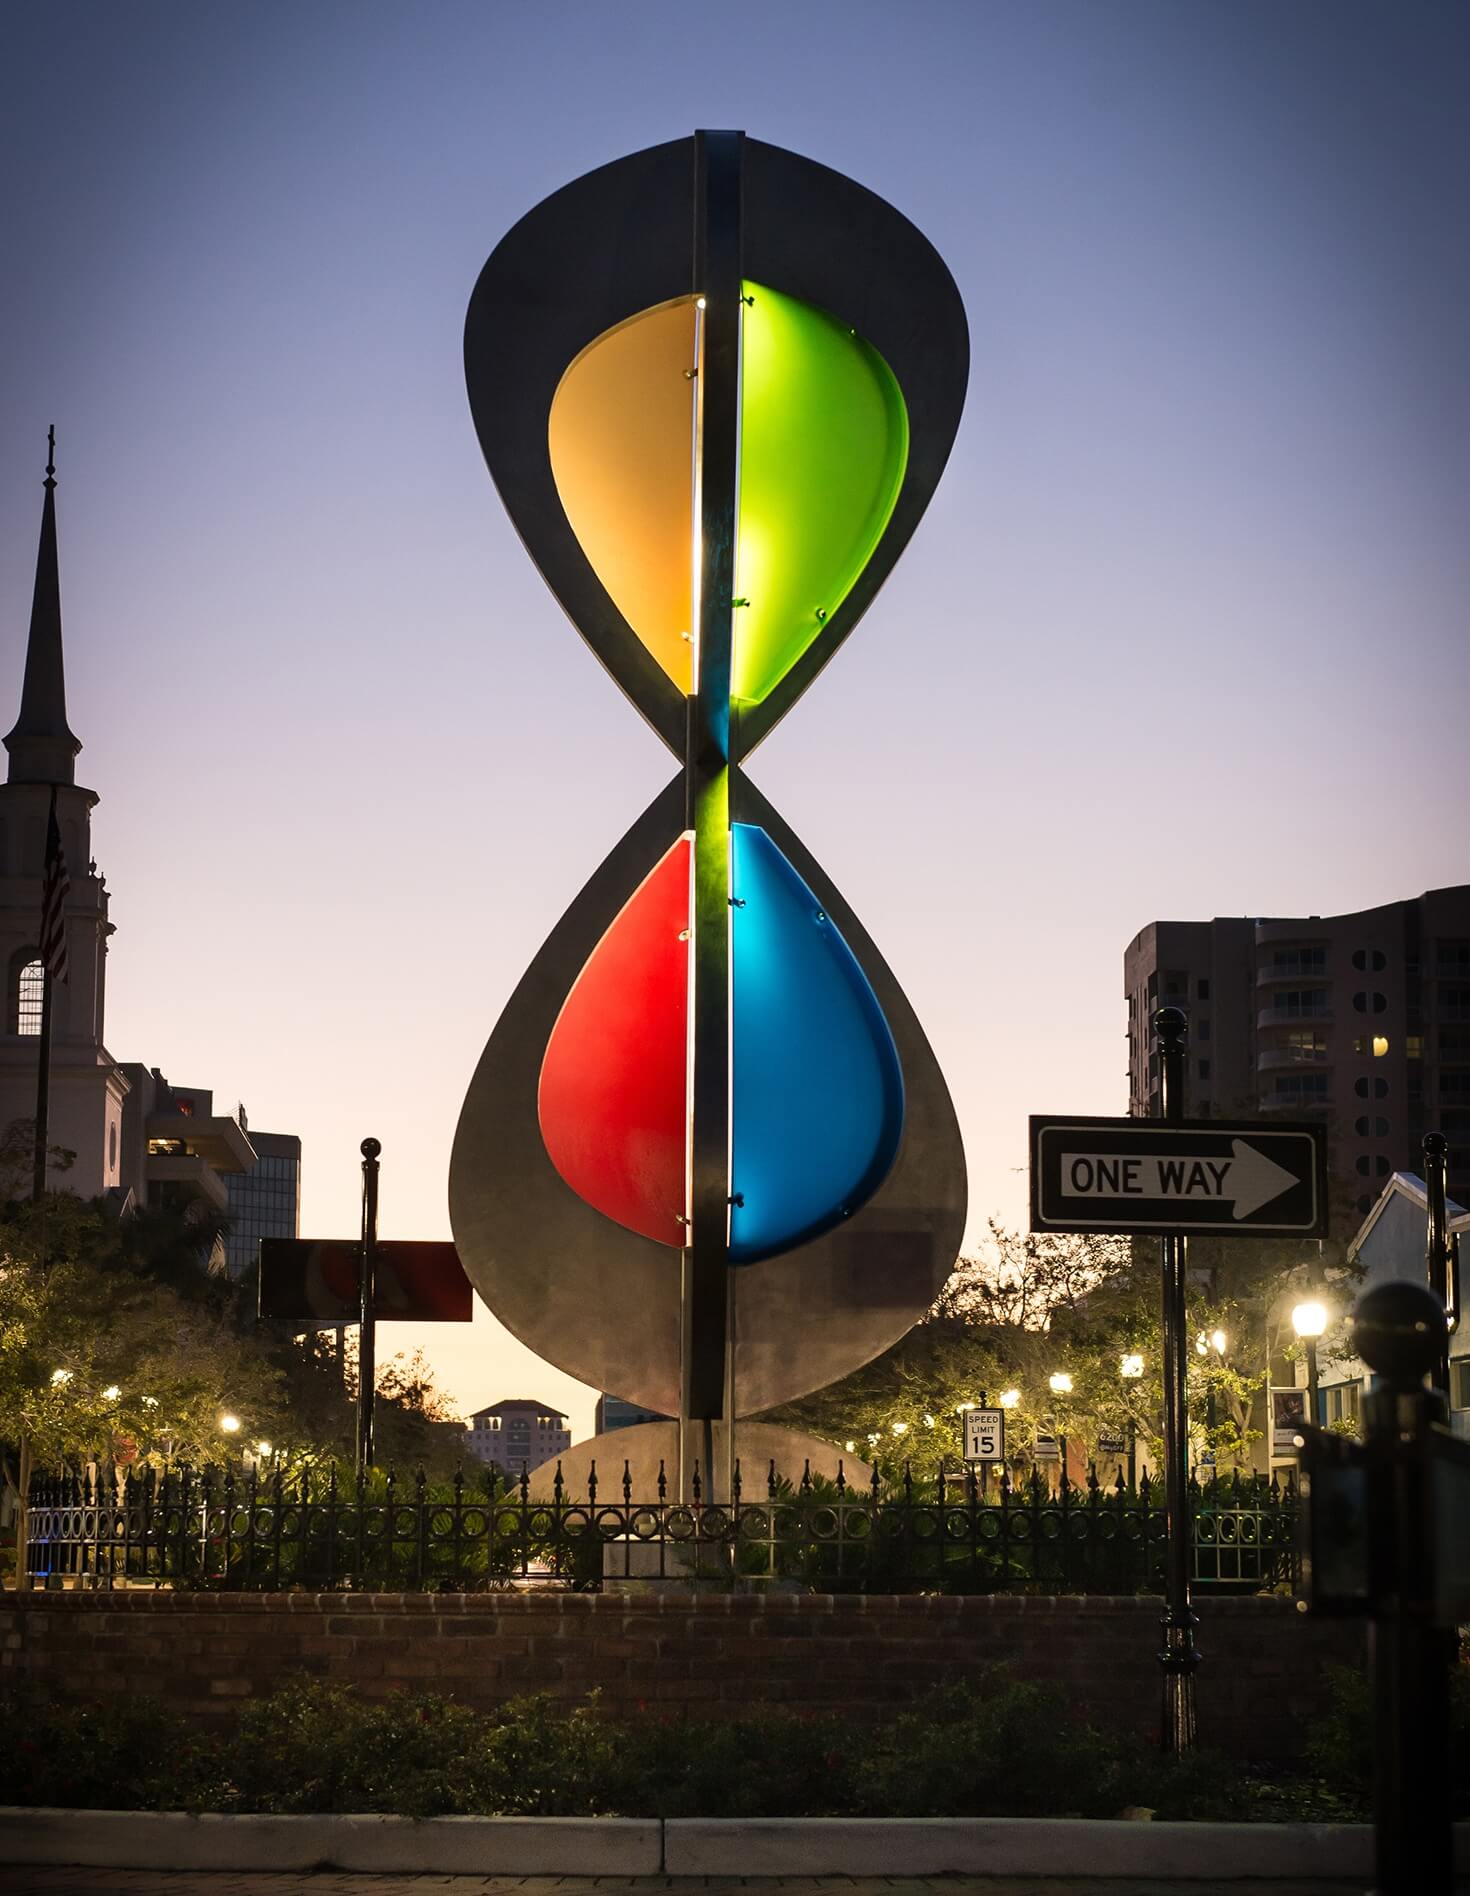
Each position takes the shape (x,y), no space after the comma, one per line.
(1406,1185)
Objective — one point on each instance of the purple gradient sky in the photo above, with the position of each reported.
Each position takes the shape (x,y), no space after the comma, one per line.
(1182,634)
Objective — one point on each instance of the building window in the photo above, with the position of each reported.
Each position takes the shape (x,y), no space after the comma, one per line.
(1413,1046)
(1375,1046)
(1302,1088)
(30,996)
(1338,1404)
(1300,961)
(1204,1069)
(1201,990)
(1365,1202)
(1460,1383)
(1299,1003)
(112,1147)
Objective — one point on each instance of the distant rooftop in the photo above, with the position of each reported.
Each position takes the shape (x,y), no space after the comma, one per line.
(519,1403)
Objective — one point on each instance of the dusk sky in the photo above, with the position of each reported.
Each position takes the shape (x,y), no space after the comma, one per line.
(1182,634)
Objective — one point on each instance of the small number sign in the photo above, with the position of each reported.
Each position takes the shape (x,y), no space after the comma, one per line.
(985,1435)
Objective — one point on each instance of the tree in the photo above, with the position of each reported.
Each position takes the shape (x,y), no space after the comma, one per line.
(1031,1307)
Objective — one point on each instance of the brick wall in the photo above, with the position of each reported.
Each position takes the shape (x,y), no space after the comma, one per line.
(704,1655)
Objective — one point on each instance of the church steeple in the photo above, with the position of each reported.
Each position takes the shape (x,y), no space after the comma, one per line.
(41,746)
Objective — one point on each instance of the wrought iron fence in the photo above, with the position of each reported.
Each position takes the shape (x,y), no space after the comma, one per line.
(948,1532)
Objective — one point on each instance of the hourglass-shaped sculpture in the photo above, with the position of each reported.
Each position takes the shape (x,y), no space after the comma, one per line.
(707,1161)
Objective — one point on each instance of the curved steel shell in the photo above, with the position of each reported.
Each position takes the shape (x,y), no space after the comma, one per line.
(601,1301)
(620,241)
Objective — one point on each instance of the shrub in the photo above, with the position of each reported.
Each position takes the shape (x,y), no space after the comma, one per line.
(774,1764)
(129,1754)
(1341,1745)
(987,1748)
(317,1747)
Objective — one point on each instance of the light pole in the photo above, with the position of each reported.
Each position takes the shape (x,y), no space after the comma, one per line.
(1309,1320)
(1060,1384)
(1219,1343)
(1131,1369)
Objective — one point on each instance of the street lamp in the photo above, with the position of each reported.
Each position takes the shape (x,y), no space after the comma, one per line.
(1309,1320)
(1060,1384)
(1010,1399)
(1130,1368)
(229,1424)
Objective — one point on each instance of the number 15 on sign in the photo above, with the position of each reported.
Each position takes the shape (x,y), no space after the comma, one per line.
(985,1435)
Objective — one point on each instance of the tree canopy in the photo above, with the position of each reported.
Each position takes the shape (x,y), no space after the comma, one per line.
(1030,1307)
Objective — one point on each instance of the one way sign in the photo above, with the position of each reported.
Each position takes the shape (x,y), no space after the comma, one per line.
(1141,1175)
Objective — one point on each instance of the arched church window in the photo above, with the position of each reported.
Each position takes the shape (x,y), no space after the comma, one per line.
(30,992)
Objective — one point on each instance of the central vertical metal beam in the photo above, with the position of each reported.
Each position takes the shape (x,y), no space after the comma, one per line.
(717,280)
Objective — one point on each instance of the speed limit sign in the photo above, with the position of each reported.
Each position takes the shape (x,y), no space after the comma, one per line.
(985,1435)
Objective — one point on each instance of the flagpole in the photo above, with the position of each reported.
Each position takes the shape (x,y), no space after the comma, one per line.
(43,1093)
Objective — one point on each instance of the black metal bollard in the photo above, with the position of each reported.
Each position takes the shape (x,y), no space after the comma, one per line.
(1399,1330)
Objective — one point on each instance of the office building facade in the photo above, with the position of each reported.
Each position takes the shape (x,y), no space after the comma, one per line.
(1362,1020)
(264,1202)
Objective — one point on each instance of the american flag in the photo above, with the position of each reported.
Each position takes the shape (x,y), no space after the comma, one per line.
(54,891)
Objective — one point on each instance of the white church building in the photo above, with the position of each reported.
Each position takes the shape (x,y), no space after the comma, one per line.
(136,1140)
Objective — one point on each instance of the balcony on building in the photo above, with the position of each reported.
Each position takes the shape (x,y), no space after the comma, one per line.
(187,1154)
(1286,966)
(1275,1059)
(1281,1014)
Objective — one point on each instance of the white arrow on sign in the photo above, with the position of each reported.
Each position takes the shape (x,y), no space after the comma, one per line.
(1247,1179)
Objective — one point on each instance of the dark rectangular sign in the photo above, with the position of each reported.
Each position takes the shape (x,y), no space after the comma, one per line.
(1202,1175)
(316,1282)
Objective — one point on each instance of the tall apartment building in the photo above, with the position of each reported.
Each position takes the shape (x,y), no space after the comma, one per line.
(1361,1019)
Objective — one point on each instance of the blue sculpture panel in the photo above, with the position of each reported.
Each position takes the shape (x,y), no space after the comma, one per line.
(817,1089)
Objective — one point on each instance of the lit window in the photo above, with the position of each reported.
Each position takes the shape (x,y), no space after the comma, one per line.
(1414,1046)
(1338,1404)
(30,997)
(1380,1046)
(1460,1383)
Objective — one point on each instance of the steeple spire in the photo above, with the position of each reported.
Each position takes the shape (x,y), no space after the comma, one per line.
(42,748)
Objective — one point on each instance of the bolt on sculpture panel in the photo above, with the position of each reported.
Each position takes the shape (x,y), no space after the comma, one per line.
(707,1160)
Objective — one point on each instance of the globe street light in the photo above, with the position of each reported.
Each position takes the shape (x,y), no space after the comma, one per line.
(1010,1399)
(1309,1320)
(1060,1384)
(229,1424)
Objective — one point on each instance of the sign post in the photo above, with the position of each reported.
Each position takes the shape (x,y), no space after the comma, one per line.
(332,1285)
(1173,1177)
(1180,1656)
(367,1313)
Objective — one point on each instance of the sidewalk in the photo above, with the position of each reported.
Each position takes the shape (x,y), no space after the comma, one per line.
(94,1882)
